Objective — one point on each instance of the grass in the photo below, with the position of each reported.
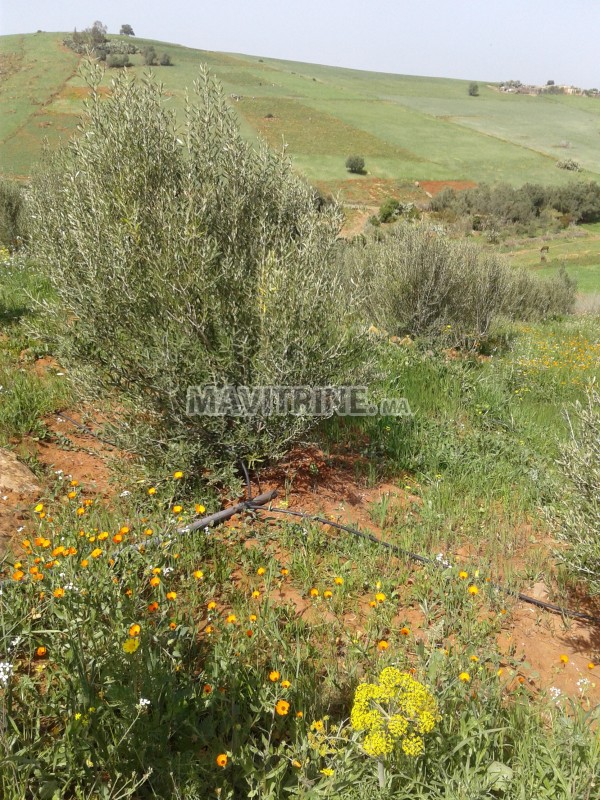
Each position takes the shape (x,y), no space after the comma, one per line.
(26,396)
(579,257)
(187,669)
(138,663)
(409,128)
(575,250)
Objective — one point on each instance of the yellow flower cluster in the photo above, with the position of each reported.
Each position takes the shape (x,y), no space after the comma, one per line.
(396,709)
(577,355)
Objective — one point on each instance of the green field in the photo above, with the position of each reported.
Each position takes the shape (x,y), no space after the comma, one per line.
(577,251)
(408,128)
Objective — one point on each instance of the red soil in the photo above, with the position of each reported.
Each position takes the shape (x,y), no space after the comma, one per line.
(332,487)
(435,187)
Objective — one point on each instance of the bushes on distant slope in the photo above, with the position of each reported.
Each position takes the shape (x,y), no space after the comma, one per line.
(189,257)
(581,200)
(117,60)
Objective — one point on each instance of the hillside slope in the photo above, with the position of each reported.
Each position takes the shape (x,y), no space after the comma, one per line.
(408,128)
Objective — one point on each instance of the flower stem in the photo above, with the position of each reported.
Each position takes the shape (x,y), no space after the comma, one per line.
(381,773)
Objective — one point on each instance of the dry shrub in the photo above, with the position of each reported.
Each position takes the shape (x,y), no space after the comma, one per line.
(423,283)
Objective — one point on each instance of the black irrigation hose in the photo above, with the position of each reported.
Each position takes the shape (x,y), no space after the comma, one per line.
(425,560)
(85,428)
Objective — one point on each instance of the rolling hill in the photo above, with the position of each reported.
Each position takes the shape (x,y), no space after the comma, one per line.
(408,128)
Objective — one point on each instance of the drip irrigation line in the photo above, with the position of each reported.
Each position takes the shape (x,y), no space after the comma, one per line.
(85,428)
(399,551)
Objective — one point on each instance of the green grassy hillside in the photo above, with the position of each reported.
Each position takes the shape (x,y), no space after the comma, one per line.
(407,128)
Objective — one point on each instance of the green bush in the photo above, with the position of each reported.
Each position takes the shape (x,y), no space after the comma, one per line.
(473,89)
(117,60)
(420,282)
(150,56)
(529,203)
(580,463)
(389,210)
(183,256)
(355,164)
(12,217)
(570,164)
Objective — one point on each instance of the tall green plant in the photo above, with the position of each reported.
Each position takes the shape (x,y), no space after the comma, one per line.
(185,256)
(580,462)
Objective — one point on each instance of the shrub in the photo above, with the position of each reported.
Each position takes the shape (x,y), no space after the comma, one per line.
(389,210)
(580,463)
(117,60)
(188,258)
(165,60)
(525,204)
(424,284)
(355,164)
(149,55)
(12,217)
(570,164)
(473,89)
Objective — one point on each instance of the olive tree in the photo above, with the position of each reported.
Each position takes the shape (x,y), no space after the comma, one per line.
(184,256)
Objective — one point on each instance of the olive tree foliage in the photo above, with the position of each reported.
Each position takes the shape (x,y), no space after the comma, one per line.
(580,464)
(184,256)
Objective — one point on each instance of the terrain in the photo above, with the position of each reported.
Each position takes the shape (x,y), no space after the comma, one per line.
(138,660)
(407,128)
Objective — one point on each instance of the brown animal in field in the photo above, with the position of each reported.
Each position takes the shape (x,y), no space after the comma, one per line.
(545,248)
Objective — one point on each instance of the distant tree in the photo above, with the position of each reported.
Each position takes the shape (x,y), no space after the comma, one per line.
(126,30)
(150,57)
(355,164)
(165,60)
(549,83)
(97,32)
(474,89)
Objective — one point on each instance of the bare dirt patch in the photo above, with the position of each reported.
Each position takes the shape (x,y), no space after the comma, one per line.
(373,191)
(431,188)
(538,640)
(79,93)
(77,453)
(355,220)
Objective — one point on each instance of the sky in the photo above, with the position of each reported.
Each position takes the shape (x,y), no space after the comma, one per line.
(492,40)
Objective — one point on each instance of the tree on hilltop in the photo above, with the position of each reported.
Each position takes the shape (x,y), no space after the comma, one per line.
(473,89)
(126,30)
